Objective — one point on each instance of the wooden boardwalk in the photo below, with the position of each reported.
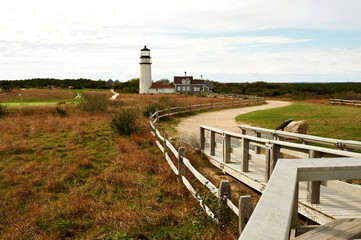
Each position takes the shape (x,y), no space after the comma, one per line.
(333,203)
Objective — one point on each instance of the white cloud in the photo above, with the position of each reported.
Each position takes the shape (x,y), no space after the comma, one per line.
(102,39)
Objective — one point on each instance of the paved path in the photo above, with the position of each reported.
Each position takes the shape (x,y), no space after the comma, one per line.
(223,119)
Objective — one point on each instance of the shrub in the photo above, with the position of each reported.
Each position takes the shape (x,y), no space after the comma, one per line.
(3,110)
(61,112)
(94,103)
(151,108)
(126,121)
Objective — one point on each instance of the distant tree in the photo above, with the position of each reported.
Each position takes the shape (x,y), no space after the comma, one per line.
(110,84)
(163,80)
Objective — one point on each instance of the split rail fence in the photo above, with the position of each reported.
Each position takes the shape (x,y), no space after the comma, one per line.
(345,102)
(223,193)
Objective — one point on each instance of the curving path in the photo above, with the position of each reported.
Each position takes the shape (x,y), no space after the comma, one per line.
(224,119)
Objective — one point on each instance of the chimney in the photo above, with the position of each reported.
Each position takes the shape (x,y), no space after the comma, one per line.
(201,76)
(185,74)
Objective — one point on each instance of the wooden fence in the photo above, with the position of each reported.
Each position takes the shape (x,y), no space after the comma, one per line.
(303,138)
(176,157)
(345,102)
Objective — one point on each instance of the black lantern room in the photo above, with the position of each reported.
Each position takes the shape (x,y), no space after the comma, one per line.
(145,52)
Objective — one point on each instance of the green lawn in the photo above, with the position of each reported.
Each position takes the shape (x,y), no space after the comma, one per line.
(339,122)
(16,104)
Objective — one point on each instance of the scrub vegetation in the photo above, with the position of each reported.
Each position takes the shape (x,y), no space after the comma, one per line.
(67,174)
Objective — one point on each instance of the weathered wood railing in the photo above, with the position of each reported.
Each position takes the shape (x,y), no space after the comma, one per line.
(170,111)
(236,147)
(275,216)
(223,193)
(305,139)
(345,102)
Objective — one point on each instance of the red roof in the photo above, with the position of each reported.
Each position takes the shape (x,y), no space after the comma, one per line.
(161,85)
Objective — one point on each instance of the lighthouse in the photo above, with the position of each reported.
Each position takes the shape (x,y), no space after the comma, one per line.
(145,71)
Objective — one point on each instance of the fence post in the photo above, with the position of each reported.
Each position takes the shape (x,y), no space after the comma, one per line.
(249,101)
(165,144)
(200,107)
(190,107)
(224,193)
(258,149)
(242,102)
(211,105)
(232,102)
(222,103)
(181,166)
(267,171)
(168,111)
(245,210)
(226,148)
(245,154)
(275,155)
(313,188)
(212,143)
(202,140)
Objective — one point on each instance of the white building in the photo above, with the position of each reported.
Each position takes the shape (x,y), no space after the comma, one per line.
(145,81)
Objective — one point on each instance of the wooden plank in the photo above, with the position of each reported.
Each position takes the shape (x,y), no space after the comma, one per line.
(338,229)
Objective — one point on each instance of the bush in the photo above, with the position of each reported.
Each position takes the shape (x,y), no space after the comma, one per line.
(126,121)
(3,110)
(151,108)
(61,112)
(94,103)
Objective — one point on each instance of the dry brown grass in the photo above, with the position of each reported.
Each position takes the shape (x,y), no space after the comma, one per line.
(36,95)
(74,177)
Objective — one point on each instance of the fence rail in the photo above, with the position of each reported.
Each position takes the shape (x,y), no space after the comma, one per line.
(266,152)
(345,102)
(223,193)
(305,139)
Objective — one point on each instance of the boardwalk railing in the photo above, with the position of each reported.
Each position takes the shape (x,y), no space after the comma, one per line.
(276,212)
(235,148)
(305,139)
(345,102)
(179,163)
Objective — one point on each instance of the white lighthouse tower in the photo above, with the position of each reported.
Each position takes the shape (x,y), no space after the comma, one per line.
(145,71)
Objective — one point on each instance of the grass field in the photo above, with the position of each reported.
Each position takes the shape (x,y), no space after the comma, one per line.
(331,121)
(74,177)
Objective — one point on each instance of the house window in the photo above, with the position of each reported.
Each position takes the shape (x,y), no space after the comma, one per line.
(183,88)
(196,89)
(178,88)
(188,89)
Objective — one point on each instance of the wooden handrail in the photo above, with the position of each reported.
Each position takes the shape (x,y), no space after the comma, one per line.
(276,212)
(341,144)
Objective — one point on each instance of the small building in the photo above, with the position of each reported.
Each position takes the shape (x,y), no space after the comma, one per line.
(161,88)
(186,84)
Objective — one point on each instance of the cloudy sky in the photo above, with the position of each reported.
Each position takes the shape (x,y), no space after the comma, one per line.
(225,40)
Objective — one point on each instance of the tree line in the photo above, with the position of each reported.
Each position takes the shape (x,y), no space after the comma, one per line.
(293,90)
